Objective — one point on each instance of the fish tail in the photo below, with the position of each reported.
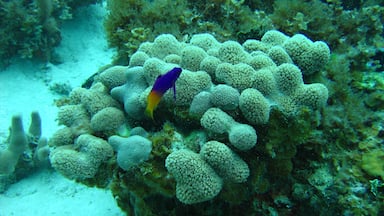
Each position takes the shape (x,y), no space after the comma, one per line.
(149,113)
(152,102)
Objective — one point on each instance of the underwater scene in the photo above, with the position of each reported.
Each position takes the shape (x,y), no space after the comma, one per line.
(167,108)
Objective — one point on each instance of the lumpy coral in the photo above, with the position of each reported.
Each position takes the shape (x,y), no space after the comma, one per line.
(196,180)
(241,136)
(227,163)
(254,106)
(83,159)
(244,70)
(230,99)
(319,126)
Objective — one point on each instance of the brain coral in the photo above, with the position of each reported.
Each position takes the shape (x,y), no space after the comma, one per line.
(274,37)
(245,81)
(216,120)
(225,97)
(63,136)
(309,56)
(138,59)
(264,81)
(272,66)
(236,76)
(108,119)
(225,162)
(201,103)
(70,115)
(113,76)
(312,95)
(279,55)
(205,41)
(189,85)
(259,60)
(164,45)
(232,52)
(97,98)
(191,57)
(209,65)
(196,181)
(254,106)
(81,160)
(241,136)
(288,78)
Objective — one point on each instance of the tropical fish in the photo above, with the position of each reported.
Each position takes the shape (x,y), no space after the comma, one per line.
(162,84)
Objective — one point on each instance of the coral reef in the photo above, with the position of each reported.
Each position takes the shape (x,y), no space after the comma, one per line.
(225,162)
(196,180)
(318,147)
(234,67)
(241,136)
(82,159)
(350,27)
(131,23)
(32,28)
(233,109)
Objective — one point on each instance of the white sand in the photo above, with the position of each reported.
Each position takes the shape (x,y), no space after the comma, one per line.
(24,88)
(48,193)
(24,84)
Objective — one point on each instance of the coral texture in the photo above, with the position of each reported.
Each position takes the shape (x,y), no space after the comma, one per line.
(196,180)
(131,151)
(264,76)
(227,90)
(241,136)
(83,159)
(225,162)
(310,159)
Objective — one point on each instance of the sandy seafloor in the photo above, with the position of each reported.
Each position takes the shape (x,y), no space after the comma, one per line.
(24,87)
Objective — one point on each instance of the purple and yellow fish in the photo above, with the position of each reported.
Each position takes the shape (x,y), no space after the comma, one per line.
(162,84)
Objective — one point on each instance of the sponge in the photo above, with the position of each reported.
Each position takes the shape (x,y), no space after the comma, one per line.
(131,151)
(17,144)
